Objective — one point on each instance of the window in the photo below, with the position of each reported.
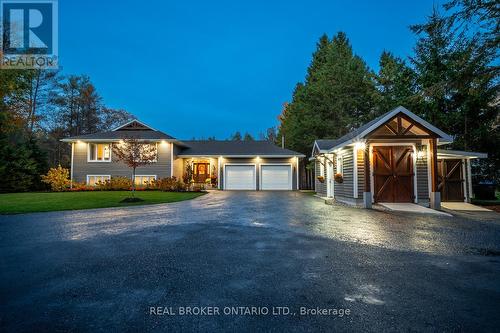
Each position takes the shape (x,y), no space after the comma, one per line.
(340,165)
(144,180)
(99,152)
(92,180)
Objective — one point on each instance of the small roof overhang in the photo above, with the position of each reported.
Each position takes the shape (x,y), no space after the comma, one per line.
(444,153)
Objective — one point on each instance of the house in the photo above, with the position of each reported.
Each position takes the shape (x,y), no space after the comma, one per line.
(226,165)
(393,158)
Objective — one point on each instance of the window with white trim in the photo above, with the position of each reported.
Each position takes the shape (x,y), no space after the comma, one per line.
(99,152)
(92,180)
(340,164)
(144,180)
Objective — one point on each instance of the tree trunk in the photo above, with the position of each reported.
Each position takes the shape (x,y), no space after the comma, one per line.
(133,182)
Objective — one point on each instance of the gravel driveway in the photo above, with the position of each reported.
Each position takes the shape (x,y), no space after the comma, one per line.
(122,269)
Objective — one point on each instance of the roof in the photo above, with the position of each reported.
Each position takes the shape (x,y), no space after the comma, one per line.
(370,126)
(460,154)
(235,148)
(119,135)
(132,129)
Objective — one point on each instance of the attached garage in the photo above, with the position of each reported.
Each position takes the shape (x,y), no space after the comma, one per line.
(276,177)
(240,177)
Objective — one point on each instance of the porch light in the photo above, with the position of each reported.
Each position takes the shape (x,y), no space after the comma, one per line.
(360,145)
(420,154)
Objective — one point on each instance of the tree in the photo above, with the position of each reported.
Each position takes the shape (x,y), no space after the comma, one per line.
(248,137)
(458,88)
(338,95)
(270,135)
(396,83)
(236,136)
(135,153)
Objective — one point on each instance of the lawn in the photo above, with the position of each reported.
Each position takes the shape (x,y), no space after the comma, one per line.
(15,203)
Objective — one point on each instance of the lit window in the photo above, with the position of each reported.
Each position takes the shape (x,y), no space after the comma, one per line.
(144,180)
(340,165)
(99,152)
(92,180)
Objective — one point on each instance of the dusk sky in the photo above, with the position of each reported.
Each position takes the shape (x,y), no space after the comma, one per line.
(210,68)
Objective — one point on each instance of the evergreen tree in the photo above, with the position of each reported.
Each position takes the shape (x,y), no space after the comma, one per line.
(338,95)
(248,137)
(396,83)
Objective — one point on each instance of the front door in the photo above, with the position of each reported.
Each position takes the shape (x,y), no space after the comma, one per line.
(393,173)
(451,180)
(201,171)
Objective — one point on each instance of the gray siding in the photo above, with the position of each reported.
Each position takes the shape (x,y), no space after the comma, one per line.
(178,164)
(82,168)
(319,187)
(422,176)
(258,163)
(346,189)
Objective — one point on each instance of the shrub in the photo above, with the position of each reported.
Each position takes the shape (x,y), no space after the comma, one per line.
(57,178)
(115,184)
(168,184)
(81,186)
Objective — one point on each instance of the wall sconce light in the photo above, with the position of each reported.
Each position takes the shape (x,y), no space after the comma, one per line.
(360,145)
(420,154)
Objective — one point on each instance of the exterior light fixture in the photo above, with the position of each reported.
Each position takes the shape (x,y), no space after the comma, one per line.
(420,154)
(360,145)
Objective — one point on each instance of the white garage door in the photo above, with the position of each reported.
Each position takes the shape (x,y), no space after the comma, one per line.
(240,177)
(276,177)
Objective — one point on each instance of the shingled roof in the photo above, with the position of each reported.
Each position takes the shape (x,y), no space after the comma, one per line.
(234,148)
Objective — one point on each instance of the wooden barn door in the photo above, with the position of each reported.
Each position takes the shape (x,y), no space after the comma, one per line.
(450,180)
(393,174)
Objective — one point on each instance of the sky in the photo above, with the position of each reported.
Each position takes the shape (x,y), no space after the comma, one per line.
(210,68)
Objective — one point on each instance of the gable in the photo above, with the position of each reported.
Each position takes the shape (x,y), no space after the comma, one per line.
(401,126)
(134,125)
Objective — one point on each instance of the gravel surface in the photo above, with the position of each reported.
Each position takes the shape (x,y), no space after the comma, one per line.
(104,269)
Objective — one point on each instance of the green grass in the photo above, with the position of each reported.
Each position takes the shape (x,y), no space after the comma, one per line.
(15,203)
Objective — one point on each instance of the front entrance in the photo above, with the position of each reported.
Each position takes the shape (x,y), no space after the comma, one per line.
(393,174)
(451,180)
(201,172)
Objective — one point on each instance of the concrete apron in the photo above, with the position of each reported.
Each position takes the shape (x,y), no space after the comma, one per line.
(411,208)
(464,206)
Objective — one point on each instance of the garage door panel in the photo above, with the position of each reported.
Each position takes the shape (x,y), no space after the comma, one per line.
(240,177)
(276,177)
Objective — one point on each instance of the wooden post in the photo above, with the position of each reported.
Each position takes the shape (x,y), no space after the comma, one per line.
(367,193)
(435,195)
(434,165)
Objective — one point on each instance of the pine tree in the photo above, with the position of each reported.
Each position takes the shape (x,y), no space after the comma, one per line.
(396,83)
